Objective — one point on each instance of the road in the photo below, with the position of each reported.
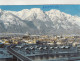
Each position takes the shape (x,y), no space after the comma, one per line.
(19,56)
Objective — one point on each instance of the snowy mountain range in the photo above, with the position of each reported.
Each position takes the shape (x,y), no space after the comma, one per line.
(37,21)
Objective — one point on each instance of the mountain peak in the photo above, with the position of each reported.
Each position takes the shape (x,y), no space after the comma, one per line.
(37,10)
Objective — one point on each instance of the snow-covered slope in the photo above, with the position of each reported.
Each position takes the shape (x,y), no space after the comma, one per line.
(37,21)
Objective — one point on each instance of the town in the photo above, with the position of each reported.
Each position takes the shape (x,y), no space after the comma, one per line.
(39,47)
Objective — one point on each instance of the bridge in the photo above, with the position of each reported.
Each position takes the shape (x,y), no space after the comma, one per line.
(17,55)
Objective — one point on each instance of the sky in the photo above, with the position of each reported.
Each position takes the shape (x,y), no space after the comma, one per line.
(69,9)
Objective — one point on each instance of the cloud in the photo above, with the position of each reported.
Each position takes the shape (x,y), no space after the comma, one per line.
(31,2)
